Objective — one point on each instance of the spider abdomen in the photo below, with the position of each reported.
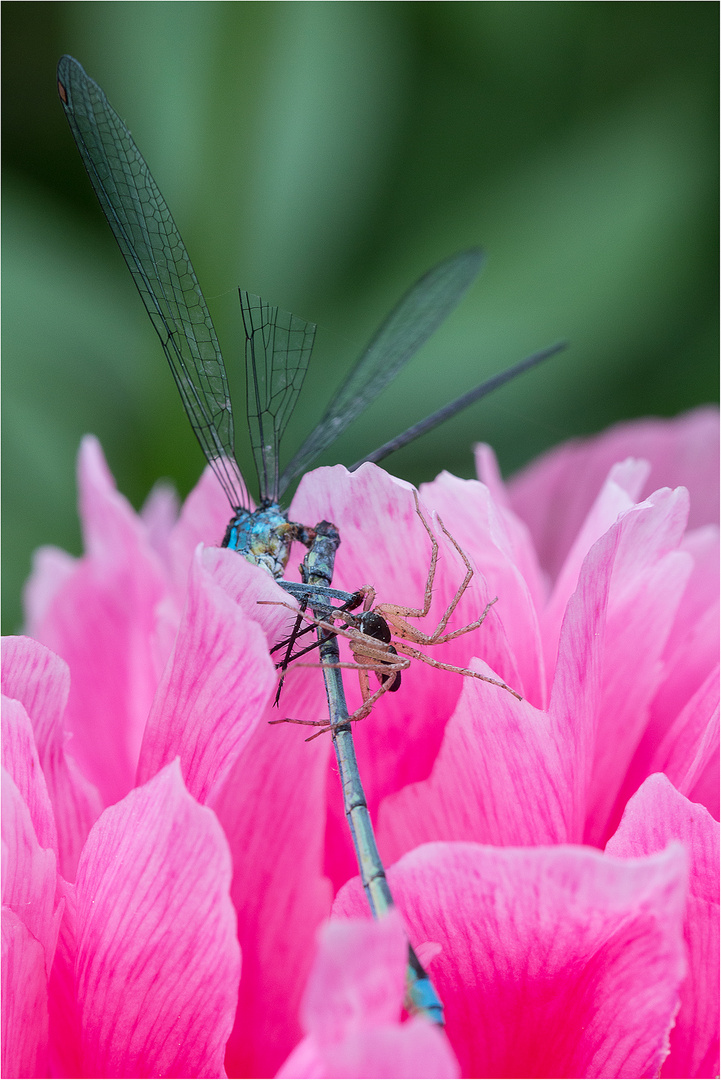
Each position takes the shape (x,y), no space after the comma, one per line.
(374,625)
(394,678)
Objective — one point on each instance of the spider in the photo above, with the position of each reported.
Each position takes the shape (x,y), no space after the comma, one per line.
(378,636)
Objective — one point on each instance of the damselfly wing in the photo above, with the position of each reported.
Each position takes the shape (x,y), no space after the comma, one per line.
(278,344)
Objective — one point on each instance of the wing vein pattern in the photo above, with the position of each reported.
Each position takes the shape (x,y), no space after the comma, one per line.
(160,265)
(277,352)
(409,325)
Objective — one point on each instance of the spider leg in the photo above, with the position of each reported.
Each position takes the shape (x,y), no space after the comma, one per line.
(359,714)
(278,603)
(367,705)
(463,629)
(417,655)
(438,632)
(322,724)
(397,615)
(282,644)
(308,723)
(354,600)
(329,630)
(401,663)
(369,595)
(428,596)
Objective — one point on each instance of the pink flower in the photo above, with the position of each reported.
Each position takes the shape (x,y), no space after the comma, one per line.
(554,859)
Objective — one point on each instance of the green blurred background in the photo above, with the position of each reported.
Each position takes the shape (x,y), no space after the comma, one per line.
(324,155)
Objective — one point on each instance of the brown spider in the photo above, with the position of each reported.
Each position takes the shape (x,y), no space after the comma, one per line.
(379,634)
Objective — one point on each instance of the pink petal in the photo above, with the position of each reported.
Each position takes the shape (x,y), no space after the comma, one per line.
(20,760)
(29,873)
(686,669)
(102,623)
(688,754)
(705,786)
(110,525)
(51,568)
(203,519)
(273,812)
(40,680)
(497,779)
(413,1049)
(548,496)
(578,678)
(158,960)
(159,515)
(214,688)
(649,577)
(497,543)
(506,773)
(33,907)
(358,978)
(702,591)
(352,1005)
(25,1005)
(689,662)
(521,543)
(253,589)
(614,498)
(65,1038)
(556,962)
(655,815)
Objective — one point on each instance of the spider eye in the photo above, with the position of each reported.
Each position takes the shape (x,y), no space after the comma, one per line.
(375,626)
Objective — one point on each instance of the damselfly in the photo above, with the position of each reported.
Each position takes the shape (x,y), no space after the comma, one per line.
(278,344)
(278,349)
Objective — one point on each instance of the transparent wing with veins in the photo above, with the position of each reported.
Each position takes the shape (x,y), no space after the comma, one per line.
(409,325)
(277,351)
(163,273)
